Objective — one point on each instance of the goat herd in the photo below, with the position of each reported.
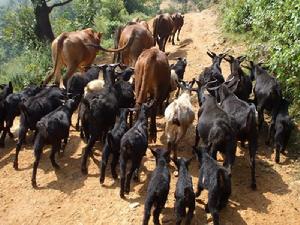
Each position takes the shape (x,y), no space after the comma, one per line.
(110,110)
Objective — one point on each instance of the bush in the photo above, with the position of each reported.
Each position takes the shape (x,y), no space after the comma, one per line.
(28,68)
(273,29)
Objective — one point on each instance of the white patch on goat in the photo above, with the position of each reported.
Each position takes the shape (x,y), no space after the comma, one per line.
(180,109)
(93,86)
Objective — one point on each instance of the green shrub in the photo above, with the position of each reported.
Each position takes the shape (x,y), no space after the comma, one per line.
(273,29)
(28,68)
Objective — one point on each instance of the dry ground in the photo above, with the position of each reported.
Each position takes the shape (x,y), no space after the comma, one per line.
(68,197)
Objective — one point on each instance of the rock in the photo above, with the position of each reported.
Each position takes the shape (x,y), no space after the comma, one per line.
(134,205)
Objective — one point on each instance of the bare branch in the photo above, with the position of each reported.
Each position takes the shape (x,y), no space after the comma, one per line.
(59,4)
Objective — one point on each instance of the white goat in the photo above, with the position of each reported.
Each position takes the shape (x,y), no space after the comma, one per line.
(95,86)
(179,116)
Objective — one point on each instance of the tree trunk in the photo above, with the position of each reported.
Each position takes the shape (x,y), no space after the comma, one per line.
(43,29)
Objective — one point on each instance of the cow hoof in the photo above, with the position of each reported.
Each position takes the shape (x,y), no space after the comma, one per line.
(33,184)
(16,166)
(101,180)
(84,171)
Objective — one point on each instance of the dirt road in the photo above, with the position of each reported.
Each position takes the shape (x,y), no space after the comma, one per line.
(68,197)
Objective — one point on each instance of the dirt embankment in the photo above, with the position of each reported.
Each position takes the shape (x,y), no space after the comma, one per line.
(68,197)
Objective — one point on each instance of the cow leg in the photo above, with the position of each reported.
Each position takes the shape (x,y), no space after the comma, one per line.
(22,136)
(178,32)
(173,37)
(70,71)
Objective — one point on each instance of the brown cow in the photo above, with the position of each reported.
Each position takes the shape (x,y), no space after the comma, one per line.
(178,20)
(74,50)
(143,39)
(162,28)
(152,79)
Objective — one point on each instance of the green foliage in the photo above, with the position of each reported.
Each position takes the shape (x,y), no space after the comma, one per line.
(273,28)
(203,4)
(30,67)
(25,60)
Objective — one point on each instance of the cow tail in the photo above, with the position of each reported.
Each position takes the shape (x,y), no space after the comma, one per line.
(59,48)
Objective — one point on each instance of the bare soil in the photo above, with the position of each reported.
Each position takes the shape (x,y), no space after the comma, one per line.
(66,196)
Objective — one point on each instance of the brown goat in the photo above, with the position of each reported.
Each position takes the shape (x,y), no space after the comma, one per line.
(152,79)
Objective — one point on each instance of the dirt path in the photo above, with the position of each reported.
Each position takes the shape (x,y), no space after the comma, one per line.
(67,197)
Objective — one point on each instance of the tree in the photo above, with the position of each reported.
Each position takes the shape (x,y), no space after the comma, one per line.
(42,11)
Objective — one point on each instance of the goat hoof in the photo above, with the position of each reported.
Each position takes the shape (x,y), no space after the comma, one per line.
(267,143)
(56,166)
(11,135)
(253,186)
(114,175)
(277,159)
(77,127)
(2,145)
(206,208)
(122,195)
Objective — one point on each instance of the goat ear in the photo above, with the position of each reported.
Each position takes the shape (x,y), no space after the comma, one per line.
(229,58)
(241,58)
(210,55)
(154,153)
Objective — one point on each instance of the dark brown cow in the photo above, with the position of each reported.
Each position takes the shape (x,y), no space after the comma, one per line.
(152,79)
(178,20)
(142,39)
(162,29)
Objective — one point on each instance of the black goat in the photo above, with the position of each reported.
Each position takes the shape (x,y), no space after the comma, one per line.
(52,129)
(243,88)
(102,109)
(133,147)
(11,105)
(158,187)
(283,129)
(244,115)
(78,81)
(217,130)
(216,180)
(112,145)
(7,89)
(184,194)
(267,93)
(179,67)
(34,109)
(214,72)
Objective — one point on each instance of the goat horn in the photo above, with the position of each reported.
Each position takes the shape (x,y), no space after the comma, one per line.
(231,79)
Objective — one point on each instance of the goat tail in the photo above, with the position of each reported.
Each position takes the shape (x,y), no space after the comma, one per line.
(24,110)
(110,139)
(188,194)
(42,128)
(251,118)
(221,179)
